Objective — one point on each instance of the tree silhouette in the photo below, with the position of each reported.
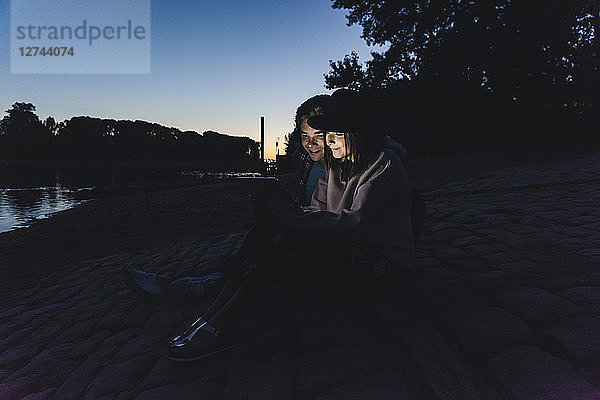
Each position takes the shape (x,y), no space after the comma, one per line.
(51,125)
(21,120)
(477,75)
(287,144)
(22,135)
(495,44)
(87,139)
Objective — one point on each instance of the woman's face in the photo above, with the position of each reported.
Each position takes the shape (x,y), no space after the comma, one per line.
(337,144)
(312,141)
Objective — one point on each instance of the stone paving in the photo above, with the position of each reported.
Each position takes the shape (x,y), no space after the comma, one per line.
(503,303)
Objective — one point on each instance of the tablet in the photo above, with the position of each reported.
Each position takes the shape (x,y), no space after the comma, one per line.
(269,187)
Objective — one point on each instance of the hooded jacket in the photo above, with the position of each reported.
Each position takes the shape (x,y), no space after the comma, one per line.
(373,208)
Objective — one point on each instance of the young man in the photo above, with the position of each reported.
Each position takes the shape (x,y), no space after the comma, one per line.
(309,154)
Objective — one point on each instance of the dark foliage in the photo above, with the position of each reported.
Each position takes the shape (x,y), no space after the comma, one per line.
(21,131)
(88,139)
(478,75)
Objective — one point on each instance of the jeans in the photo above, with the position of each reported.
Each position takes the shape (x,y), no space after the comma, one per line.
(272,253)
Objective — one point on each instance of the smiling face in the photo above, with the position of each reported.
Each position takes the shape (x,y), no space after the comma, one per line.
(312,141)
(337,143)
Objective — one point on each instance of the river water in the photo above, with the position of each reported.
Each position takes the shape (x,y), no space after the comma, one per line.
(30,193)
(20,206)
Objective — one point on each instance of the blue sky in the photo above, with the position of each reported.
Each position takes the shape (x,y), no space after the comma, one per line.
(215,65)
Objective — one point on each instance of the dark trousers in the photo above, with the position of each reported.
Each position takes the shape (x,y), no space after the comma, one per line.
(272,253)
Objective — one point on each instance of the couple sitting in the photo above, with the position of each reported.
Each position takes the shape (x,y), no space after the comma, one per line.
(356,228)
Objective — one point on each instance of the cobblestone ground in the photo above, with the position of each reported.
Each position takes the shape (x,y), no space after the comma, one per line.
(503,304)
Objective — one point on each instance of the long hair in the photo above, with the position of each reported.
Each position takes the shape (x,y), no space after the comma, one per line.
(361,148)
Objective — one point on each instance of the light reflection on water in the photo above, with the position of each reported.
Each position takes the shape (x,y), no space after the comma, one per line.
(20,206)
(217,175)
(31,193)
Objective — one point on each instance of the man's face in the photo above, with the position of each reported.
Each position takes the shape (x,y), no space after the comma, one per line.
(337,144)
(312,141)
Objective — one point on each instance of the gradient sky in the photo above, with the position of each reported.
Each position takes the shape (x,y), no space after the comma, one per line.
(215,65)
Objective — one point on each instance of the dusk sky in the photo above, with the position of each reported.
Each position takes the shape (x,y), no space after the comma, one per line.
(215,65)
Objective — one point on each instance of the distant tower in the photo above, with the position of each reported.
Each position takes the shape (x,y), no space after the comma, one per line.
(262,138)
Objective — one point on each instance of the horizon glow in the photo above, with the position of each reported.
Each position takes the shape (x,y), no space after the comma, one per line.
(214,66)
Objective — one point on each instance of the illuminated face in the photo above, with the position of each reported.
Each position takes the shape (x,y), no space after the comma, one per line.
(312,141)
(337,144)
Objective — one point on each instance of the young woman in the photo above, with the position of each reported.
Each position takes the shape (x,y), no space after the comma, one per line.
(358,224)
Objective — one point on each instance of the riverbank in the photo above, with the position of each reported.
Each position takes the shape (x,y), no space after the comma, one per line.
(129,218)
(503,302)
(29,192)
(134,216)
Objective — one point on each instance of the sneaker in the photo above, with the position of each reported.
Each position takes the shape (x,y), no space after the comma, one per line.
(201,342)
(146,283)
(188,331)
(198,287)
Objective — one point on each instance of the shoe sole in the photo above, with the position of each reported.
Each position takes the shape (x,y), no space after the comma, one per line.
(203,356)
(184,333)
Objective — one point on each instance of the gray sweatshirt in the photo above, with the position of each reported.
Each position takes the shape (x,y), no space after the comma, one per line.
(373,208)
